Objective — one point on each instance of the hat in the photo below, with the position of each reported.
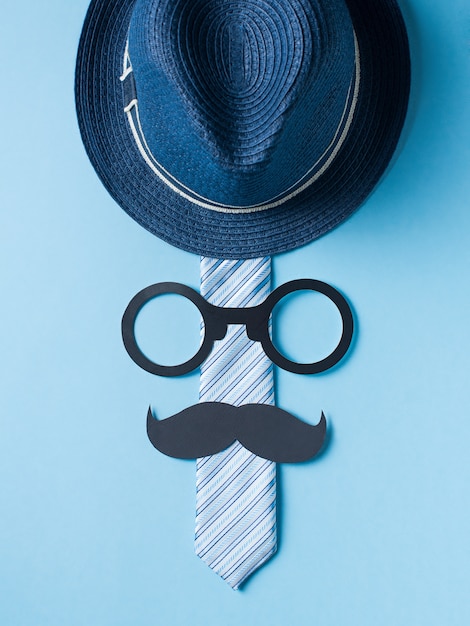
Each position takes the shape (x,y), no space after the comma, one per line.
(241,128)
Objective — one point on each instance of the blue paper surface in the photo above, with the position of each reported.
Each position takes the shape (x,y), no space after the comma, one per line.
(96,528)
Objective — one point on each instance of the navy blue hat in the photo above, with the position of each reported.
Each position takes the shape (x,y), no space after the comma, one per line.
(241,128)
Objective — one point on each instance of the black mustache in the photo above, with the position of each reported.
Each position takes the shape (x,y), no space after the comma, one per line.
(210,427)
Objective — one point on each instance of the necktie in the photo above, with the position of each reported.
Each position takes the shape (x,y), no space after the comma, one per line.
(235,489)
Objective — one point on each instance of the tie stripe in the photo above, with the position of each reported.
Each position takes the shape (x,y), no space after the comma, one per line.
(235,489)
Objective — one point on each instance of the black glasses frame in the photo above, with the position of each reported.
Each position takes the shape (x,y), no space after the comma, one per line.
(216,321)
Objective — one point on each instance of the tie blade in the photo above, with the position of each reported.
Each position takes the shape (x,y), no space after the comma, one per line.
(236,519)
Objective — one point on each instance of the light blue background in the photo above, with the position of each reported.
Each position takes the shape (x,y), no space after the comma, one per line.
(96,527)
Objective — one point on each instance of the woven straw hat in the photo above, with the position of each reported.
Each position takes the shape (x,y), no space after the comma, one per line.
(241,128)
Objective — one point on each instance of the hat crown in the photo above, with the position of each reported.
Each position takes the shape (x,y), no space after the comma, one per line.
(237,99)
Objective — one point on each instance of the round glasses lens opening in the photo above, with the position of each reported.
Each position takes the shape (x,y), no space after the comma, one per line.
(168,329)
(306,326)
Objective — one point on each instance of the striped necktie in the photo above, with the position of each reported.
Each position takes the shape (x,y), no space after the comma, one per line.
(235,489)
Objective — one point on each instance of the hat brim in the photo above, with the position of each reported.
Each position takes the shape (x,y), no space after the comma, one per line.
(363,157)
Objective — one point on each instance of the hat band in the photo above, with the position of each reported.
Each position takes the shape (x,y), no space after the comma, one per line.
(131,108)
